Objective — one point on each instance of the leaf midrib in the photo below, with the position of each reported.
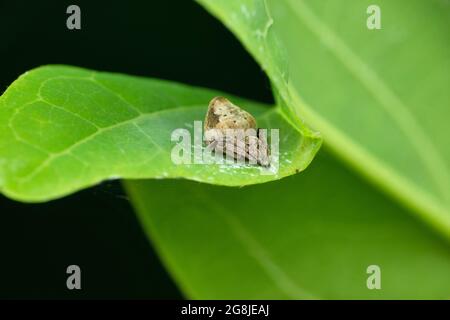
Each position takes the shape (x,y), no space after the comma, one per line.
(254,249)
(376,86)
(56,155)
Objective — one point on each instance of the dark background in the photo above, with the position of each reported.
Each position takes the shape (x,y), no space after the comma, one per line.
(96,228)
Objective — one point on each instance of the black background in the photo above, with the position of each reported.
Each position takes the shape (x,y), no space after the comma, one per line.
(96,228)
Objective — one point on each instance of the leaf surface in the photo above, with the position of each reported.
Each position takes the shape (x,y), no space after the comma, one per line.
(307,236)
(64,128)
(379,97)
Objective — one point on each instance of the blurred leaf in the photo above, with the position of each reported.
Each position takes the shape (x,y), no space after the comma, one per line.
(64,128)
(380,97)
(308,236)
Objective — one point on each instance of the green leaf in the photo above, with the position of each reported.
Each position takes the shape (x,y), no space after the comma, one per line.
(307,236)
(380,97)
(64,128)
